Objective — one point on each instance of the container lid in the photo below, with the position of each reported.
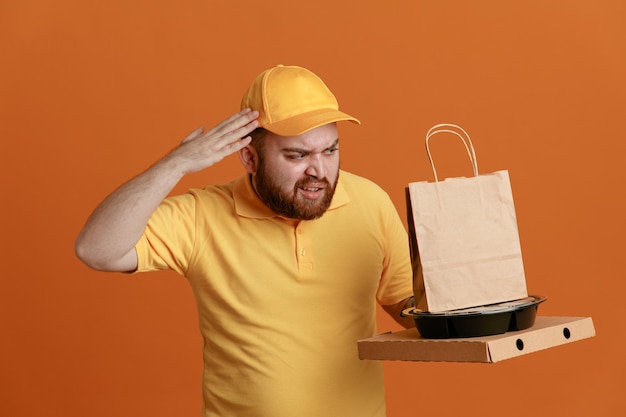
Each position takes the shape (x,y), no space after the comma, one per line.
(504,307)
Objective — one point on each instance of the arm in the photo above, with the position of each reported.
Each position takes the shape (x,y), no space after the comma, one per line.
(395,311)
(107,241)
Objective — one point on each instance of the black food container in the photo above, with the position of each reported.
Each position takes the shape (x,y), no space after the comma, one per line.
(477,321)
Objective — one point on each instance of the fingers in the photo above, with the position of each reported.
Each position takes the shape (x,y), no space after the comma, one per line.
(243,131)
(239,123)
(200,149)
(238,145)
(235,127)
(197,132)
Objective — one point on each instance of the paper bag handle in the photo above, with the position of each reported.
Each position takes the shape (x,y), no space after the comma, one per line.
(445,128)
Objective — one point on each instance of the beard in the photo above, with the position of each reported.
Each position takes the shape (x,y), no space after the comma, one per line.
(291,204)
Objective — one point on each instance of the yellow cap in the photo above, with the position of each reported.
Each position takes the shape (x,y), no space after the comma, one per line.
(292,100)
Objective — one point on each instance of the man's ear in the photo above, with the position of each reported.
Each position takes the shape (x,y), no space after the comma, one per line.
(249,158)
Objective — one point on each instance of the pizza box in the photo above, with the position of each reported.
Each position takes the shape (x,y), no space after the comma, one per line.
(408,345)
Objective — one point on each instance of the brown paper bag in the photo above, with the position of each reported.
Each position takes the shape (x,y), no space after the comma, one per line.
(465,242)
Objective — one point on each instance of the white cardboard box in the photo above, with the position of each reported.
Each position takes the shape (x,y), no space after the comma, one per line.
(408,345)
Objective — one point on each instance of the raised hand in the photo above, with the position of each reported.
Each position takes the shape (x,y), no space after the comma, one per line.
(200,149)
(107,241)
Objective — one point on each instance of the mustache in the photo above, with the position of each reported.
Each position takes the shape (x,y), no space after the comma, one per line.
(305,182)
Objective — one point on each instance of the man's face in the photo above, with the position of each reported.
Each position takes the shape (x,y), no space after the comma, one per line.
(296,176)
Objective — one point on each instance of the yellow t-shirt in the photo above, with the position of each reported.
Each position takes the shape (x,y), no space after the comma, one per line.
(281,302)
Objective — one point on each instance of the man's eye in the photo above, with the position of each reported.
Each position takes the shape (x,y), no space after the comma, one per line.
(295,156)
(331,151)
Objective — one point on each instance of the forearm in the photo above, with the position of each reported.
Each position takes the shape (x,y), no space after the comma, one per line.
(395,311)
(109,236)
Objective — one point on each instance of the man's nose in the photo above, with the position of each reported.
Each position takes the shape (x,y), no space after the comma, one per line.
(316,167)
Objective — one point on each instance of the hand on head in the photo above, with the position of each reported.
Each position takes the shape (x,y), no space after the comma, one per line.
(200,149)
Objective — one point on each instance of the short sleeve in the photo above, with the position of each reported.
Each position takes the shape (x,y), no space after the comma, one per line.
(169,237)
(397,279)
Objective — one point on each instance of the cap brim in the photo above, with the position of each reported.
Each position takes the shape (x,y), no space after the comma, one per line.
(302,123)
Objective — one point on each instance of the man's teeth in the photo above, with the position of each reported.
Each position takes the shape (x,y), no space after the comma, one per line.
(310,189)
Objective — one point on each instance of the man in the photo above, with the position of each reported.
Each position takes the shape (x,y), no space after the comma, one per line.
(286,262)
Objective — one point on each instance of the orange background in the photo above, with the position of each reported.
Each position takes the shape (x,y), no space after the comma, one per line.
(91,93)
